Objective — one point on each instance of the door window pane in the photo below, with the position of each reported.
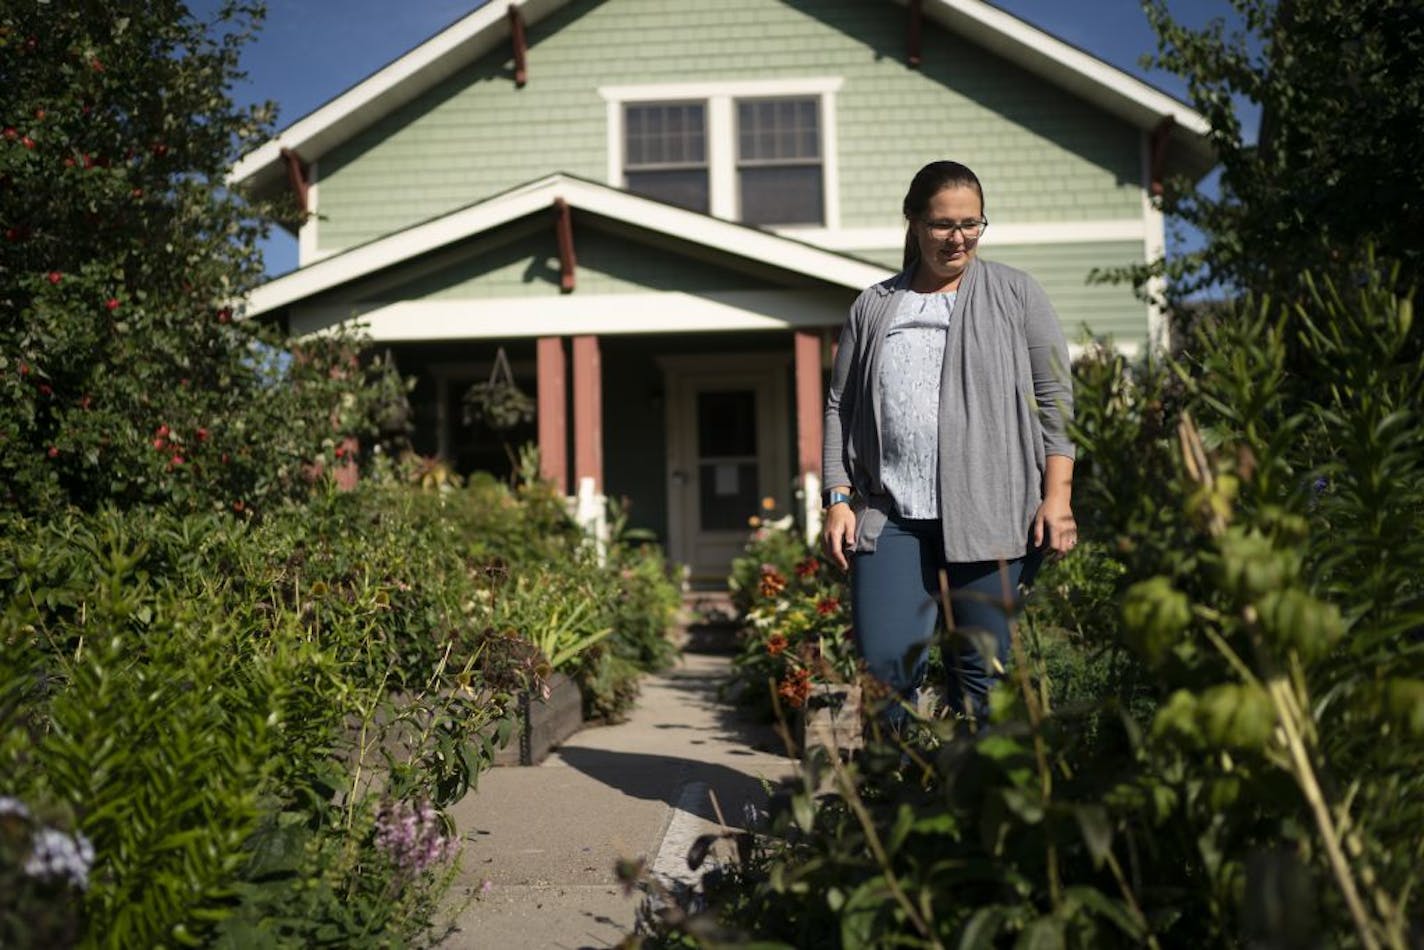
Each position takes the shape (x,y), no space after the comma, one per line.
(728,489)
(726,424)
(728,495)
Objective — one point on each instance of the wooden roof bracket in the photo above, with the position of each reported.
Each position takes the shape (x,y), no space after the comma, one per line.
(564,230)
(1161,136)
(521,46)
(297,174)
(917,24)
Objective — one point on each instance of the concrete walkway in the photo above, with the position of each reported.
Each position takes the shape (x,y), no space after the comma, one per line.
(547,837)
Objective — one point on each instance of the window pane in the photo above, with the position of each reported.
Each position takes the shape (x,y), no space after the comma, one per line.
(684,187)
(726,424)
(778,129)
(665,134)
(728,495)
(782,194)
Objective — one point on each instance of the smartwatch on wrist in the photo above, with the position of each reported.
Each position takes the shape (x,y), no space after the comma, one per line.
(834,497)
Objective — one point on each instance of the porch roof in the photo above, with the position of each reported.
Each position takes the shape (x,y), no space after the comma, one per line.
(538,196)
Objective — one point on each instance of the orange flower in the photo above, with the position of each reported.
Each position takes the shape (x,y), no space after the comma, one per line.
(776,644)
(827,606)
(773,581)
(795,688)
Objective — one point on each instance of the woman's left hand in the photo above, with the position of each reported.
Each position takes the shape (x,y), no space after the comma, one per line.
(1054,522)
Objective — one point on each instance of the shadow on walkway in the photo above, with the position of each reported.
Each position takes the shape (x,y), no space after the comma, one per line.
(662,778)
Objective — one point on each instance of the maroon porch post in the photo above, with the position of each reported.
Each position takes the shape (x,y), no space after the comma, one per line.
(588,413)
(808,405)
(553,412)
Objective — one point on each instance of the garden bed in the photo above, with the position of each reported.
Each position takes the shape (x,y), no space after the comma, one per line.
(542,724)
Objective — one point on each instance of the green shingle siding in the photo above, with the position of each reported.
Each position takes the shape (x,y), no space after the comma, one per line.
(528,266)
(1043,154)
(1062,269)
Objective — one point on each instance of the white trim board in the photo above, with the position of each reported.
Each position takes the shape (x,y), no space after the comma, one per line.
(1154,247)
(538,196)
(599,314)
(572,315)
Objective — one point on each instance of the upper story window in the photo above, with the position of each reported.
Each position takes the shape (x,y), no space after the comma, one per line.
(665,153)
(758,151)
(779,176)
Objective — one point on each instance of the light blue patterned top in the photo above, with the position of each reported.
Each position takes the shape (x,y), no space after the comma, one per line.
(909,402)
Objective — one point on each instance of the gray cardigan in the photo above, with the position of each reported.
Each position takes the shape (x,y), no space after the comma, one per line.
(1005,401)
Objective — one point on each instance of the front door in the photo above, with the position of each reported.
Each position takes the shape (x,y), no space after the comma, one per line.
(727,451)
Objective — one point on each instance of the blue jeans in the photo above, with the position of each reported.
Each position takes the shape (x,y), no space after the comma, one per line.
(895,600)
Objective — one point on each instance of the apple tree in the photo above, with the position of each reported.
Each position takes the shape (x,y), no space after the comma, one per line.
(126,377)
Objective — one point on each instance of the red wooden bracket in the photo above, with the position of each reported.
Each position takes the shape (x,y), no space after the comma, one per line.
(297,175)
(1161,135)
(917,23)
(564,228)
(521,47)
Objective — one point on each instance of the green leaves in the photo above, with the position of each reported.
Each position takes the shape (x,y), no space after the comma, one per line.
(1155,615)
(222,705)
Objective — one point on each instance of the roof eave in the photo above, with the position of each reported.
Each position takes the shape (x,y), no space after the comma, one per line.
(261,171)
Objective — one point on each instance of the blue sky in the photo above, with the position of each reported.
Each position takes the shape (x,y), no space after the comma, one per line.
(311,50)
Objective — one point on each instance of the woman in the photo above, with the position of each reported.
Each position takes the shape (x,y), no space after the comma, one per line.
(946,445)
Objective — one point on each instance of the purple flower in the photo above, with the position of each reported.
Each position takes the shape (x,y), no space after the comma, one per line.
(413,836)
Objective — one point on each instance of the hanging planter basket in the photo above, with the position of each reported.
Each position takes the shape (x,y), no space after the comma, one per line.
(498,402)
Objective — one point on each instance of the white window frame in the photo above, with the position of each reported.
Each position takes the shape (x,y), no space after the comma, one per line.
(706,132)
(721,98)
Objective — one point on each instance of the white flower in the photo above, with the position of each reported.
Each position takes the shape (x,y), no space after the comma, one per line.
(13,806)
(55,853)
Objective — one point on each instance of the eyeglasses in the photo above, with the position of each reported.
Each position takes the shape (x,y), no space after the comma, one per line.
(970,228)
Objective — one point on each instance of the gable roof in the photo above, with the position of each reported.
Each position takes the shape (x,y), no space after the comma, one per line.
(538,196)
(466,40)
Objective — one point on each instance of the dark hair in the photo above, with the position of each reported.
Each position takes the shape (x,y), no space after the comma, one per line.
(928,182)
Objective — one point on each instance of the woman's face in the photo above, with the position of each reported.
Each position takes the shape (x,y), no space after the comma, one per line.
(944,249)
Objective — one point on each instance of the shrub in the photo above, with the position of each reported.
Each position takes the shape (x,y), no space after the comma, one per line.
(231,708)
(1257,784)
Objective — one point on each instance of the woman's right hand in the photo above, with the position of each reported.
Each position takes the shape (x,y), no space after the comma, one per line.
(838,534)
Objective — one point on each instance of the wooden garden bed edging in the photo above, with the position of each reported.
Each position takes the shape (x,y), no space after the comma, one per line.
(830,718)
(543,724)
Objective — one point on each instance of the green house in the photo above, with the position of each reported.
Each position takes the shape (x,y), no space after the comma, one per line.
(659,211)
